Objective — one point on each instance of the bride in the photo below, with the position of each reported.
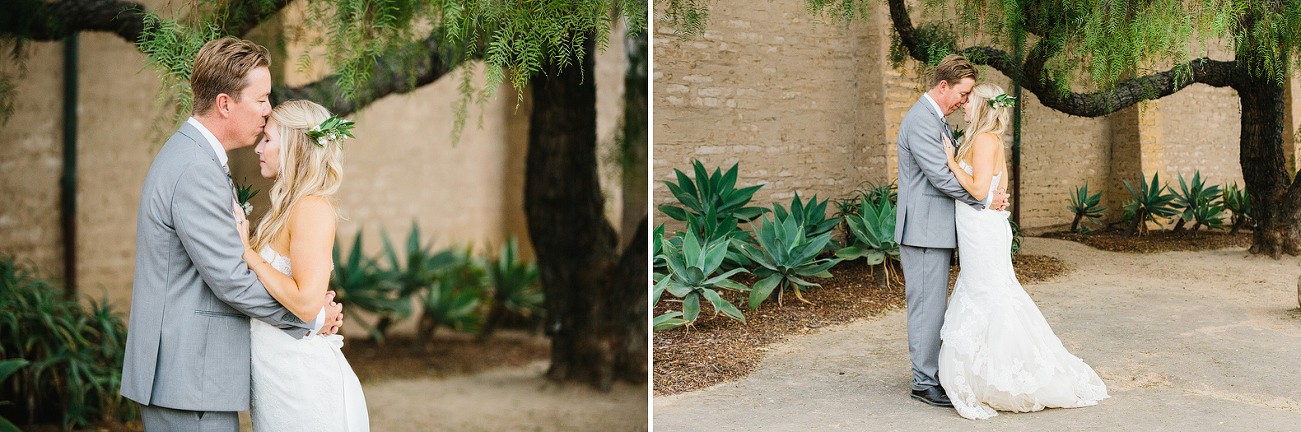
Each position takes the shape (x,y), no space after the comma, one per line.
(997,351)
(291,254)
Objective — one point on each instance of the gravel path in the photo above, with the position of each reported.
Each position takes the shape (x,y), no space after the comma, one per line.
(1184,341)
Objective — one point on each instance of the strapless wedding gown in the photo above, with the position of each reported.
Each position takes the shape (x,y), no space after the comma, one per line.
(302,384)
(997,351)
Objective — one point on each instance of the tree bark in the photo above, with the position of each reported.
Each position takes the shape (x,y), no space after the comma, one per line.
(576,246)
(1275,206)
(635,138)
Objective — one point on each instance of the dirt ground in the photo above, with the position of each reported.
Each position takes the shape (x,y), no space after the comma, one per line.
(1203,340)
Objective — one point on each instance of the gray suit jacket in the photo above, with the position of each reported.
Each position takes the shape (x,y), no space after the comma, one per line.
(187,343)
(927,188)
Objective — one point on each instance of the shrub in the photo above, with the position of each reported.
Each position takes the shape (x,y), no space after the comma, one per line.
(1084,205)
(691,277)
(707,192)
(413,272)
(359,282)
(454,299)
(71,356)
(785,256)
(1148,204)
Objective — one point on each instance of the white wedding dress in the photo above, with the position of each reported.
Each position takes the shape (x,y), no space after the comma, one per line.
(302,384)
(997,351)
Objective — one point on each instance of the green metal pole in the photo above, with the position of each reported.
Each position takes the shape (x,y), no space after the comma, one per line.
(1016,138)
(68,183)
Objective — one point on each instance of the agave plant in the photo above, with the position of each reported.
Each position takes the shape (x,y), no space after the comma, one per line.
(707,192)
(1237,202)
(657,260)
(710,229)
(785,256)
(668,320)
(453,300)
(359,282)
(873,235)
(514,288)
(1194,199)
(1150,202)
(1084,205)
(812,216)
(691,277)
(413,271)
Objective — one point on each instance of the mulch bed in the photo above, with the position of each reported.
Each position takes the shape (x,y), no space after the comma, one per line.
(449,354)
(1157,241)
(718,349)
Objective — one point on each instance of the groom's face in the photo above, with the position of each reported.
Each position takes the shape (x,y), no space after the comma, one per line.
(953,97)
(248,116)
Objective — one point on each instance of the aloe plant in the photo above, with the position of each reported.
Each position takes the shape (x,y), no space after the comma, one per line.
(514,285)
(812,216)
(1150,202)
(359,282)
(1195,202)
(873,235)
(691,277)
(1238,203)
(716,192)
(1084,206)
(785,256)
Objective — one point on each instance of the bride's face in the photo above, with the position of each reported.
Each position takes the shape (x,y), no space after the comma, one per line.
(968,109)
(268,151)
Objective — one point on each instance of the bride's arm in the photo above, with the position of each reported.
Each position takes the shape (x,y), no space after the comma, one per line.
(311,239)
(983,153)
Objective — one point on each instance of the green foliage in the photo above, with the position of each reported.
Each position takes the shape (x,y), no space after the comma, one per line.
(1149,203)
(658,261)
(1198,203)
(785,255)
(64,360)
(716,192)
(1016,240)
(359,282)
(514,286)
(713,229)
(1238,203)
(8,367)
(687,18)
(691,277)
(454,299)
(812,216)
(1084,205)
(516,39)
(872,232)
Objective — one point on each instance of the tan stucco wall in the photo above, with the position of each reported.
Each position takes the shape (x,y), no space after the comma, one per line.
(401,167)
(811,106)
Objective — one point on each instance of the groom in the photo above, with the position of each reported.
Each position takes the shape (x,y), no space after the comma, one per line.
(925,231)
(187,349)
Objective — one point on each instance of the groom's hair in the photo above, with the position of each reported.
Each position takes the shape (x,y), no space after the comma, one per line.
(221,66)
(952,69)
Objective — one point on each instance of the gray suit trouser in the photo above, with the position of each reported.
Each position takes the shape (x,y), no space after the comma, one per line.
(926,288)
(159,419)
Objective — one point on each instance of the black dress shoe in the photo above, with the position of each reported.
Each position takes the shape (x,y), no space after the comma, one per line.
(933,396)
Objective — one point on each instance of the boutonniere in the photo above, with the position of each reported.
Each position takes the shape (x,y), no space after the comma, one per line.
(243,194)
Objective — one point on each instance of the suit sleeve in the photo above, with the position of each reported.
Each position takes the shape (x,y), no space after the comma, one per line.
(206,226)
(928,150)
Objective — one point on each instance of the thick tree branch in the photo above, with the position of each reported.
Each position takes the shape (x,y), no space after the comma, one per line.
(41,21)
(1032,78)
(422,63)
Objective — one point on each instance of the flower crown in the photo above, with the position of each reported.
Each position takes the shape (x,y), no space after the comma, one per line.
(1001,101)
(332,129)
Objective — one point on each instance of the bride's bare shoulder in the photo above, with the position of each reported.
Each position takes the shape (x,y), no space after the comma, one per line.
(314,210)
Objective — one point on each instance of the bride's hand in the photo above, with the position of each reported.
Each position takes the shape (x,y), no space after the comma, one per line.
(948,148)
(241,224)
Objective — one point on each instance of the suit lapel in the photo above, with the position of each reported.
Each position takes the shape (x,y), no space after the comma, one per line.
(198,139)
(944,125)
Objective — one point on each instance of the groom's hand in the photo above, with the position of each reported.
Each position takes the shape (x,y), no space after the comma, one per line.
(1000,199)
(333,314)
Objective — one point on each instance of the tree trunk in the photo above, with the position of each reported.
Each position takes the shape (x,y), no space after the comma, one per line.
(576,246)
(1275,206)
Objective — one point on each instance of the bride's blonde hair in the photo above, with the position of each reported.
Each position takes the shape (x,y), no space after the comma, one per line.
(306,169)
(984,119)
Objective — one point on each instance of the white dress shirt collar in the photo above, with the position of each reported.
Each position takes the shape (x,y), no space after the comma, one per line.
(934,105)
(212,140)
